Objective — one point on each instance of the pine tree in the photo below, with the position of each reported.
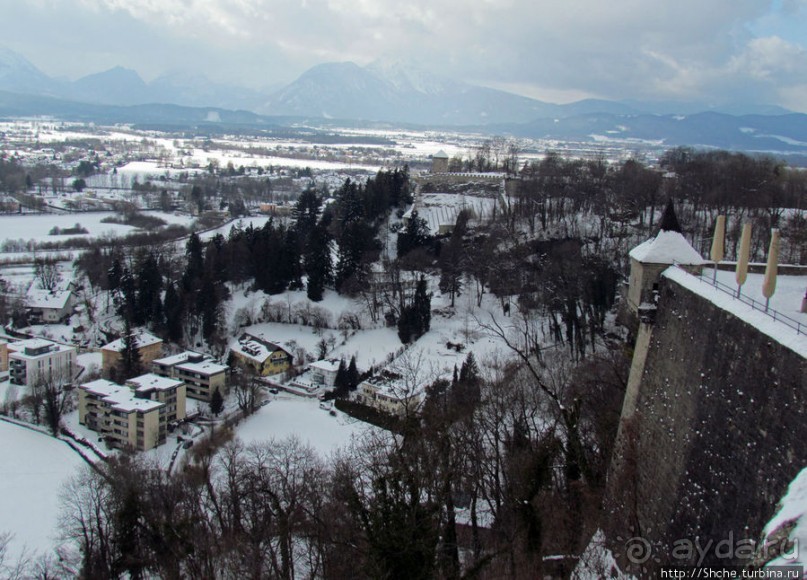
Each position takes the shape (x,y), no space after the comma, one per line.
(318,262)
(216,402)
(341,384)
(173,313)
(352,374)
(422,305)
(130,363)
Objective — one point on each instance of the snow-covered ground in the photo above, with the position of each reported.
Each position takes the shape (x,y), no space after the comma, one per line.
(33,468)
(786,534)
(288,415)
(37,226)
(790,290)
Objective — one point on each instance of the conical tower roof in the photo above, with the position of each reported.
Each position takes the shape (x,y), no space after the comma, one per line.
(669,221)
(669,246)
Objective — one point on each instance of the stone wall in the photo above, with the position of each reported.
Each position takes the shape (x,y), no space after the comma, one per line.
(718,432)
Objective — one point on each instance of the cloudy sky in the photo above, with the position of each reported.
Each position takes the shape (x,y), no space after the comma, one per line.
(707,50)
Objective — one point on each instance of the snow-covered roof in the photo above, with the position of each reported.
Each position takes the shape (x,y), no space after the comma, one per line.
(440,155)
(19,349)
(205,367)
(667,248)
(47,299)
(151,382)
(177,359)
(255,347)
(142,339)
(391,386)
(118,397)
(328,365)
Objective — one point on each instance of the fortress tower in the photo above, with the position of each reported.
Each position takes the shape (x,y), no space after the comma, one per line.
(440,162)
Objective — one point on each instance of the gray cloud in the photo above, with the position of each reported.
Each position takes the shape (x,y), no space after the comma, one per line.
(687,49)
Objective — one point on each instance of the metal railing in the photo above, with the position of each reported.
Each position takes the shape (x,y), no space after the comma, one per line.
(799,327)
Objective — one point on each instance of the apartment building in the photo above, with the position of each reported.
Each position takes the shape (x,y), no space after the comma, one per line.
(37,359)
(124,420)
(149,346)
(162,389)
(201,375)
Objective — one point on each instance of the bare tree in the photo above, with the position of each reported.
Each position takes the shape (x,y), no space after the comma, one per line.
(46,273)
(249,393)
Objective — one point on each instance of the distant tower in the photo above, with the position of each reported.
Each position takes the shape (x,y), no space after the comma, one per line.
(440,162)
(649,259)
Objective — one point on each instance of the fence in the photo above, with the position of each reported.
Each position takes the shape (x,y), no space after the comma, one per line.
(799,327)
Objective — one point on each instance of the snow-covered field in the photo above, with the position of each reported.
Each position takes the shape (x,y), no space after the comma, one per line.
(288,415)
(33,468)
(37,226)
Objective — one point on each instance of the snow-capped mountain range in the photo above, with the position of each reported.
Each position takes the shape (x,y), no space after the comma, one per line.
(393,92)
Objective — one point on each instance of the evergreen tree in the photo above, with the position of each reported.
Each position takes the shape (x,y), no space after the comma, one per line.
(130,364)
(352,374)
(148,308)
(173,313)
(341,385)
(292,260)
(414,235)
(306,213)
(195,263)
(216,402)
(422,305)
(318,262)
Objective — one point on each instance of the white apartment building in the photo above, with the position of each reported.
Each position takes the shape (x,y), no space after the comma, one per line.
(37,359)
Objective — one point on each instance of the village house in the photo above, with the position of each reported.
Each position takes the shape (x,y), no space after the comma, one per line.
(149,346)
(323,372)
(49,306)
(201,375)
(36,359)
(124,420)
(387,393)
(264,357)
(164,390)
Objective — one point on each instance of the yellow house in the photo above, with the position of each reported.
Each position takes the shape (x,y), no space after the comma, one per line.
(149,346)
(124,420)
(264,357)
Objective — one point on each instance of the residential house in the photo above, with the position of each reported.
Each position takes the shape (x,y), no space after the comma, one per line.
(201,375)
(388,393)
(149,346)
(324,372)
(165,390)
(265,357)
(37,359)
(124,420)
(49,306)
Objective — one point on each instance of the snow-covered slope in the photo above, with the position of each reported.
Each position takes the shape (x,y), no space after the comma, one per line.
(398,91)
